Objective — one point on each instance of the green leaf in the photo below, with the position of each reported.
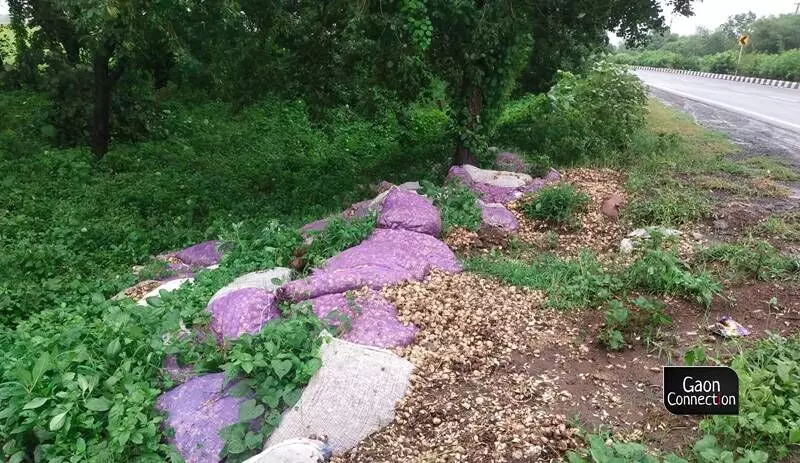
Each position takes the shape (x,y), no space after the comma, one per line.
(98,404)
(41,366)
(281,367)
(253,440)
(35,403)
(17,457)
(57,422)
(113,347)
(250,410)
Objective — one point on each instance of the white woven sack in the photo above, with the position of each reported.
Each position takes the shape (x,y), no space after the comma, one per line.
(292,451)
(353,395)
(262,280)
(169,286)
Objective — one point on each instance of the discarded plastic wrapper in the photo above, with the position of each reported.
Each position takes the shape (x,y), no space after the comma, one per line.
(727,327)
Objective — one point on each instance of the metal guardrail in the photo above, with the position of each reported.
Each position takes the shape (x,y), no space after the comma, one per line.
(711,75)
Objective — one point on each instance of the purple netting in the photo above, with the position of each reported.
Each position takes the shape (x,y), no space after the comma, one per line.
(242,311)
(197,410)
(497,194)
(496,215)
(201,255)
(387,257)
(178,373)
(315,226)
(510,162)
(406,210)
(323,282)
(373,319)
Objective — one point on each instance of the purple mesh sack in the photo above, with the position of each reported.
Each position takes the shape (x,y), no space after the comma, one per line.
(201,255)
(497,216)
(242,311)
(387,257)
(373,319)
(407,210)
(197,410)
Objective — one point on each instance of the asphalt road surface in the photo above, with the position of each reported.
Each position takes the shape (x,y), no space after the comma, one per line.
(763,120)
(779,106)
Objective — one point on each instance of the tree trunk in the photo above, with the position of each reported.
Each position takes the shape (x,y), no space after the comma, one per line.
(101,117)
(474,99)
(104,80)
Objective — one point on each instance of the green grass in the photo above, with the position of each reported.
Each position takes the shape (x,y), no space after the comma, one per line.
(750,258)
(674,165)
(585,282)
(784,227)
(574,283)
(72,226)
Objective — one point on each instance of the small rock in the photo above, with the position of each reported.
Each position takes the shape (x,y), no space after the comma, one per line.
(720,224)
(611,206)
(626,246)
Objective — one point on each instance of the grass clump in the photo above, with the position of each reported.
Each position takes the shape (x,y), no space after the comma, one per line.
(667,206)
(643,317)
(750,258)
(557,204)
(600,450)
(575,283)
(662,272)
(457,203)
(785,227)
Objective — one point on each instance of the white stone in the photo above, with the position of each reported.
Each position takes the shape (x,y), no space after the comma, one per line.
(293,451)
(169,286)
(497,177)
(411,186)
(268,280)
(626,246)
(644,233)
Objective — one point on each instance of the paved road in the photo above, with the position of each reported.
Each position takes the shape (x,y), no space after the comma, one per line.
(773,105)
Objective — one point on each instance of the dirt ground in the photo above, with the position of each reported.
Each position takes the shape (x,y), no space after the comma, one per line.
(501,378)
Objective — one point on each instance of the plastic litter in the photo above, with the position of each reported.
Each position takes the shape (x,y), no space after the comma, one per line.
(727,327)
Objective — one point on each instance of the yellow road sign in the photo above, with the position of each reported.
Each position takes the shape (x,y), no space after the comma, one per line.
(744,39)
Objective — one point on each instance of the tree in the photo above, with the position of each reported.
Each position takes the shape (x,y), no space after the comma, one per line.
(107,36)
(480,48)
(738,24)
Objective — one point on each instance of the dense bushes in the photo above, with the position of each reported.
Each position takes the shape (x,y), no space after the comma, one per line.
(581,118)
(73,226)
(783,66)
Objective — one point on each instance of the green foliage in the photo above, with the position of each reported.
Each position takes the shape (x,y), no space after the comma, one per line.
(644,318)
(600,451)
(82,378)
(668,205)
(272,366)
(580,119)
(751,258)
(576,283)
(339,235)
(616,318)
(457,204)
(663,272)
(769,409)
(73,226)
(539,166)
(557,204)
(785,226)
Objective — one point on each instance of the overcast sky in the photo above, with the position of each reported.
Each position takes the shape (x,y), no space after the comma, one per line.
(709,13)
(712,13)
